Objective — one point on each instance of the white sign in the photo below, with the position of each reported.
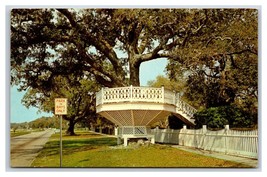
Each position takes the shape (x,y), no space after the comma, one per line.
(61,106)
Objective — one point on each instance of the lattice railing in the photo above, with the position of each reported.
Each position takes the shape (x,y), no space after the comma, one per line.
(144,94)
(136,94)
(147,94)
(134,130)
(185,107)
(119,94)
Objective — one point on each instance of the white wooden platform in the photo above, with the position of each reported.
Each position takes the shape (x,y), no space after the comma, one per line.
(133,107)
(141,106)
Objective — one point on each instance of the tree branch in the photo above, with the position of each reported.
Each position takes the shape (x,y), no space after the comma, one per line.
(142,45)
(155,53)
(243,51)
(138,27)
(100,43)
(221,38)
(69,16)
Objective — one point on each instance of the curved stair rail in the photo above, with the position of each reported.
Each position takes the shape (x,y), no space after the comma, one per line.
(184,107)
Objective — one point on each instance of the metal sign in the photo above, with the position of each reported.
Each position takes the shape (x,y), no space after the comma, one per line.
(61,106)
(61,109)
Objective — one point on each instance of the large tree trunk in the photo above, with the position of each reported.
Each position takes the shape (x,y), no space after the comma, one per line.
(134,66)
(70,130)
(134,75)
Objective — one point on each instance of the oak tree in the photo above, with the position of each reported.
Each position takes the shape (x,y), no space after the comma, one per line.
(222,61)
(110,44)
(80,94)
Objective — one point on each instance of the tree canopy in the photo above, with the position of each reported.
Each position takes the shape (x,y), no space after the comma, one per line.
(80,93)
(110,44)
(222,61)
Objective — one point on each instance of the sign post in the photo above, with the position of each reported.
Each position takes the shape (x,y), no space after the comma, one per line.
(61,109)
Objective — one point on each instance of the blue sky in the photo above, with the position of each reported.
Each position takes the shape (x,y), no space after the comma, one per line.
(18,113)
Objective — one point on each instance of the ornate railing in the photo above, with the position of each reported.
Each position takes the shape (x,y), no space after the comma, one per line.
(135,94)
(143,94)
(185,107)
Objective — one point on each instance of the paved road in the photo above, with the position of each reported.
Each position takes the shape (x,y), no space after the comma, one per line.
(24,149)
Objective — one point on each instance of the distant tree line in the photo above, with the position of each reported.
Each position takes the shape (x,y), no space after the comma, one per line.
(100,124)
(39,123)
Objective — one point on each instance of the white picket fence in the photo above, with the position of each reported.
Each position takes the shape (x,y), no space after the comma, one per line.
(240,143)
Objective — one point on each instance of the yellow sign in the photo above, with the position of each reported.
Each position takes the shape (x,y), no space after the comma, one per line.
(61,106)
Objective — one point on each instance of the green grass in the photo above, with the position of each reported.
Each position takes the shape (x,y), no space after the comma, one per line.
(19,133)
(23,132)
(90,150)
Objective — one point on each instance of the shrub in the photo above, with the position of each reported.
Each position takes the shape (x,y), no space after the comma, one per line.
(217,117)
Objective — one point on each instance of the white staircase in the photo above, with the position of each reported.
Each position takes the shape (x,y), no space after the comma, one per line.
(184,111)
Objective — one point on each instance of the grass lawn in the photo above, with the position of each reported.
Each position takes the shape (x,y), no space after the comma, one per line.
(19,133)
(23,132)
(91,150)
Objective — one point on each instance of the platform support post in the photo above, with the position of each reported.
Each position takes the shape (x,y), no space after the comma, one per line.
(118,140)
(153,140)
(125,141)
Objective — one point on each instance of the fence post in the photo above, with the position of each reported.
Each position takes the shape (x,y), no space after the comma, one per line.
(227,128)
(204,131)
(157,133)
(182,135)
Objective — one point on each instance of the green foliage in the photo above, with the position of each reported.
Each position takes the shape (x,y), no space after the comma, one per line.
(15,126)
(164,81)
(49,42)
(47,122)
(218,117)
(39,123)
(79,92)
(220,61)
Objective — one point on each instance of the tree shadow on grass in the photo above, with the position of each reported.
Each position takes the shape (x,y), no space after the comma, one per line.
(91,141)
(80,134)
(71,146)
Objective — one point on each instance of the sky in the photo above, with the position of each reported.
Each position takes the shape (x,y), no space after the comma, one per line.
(19,113)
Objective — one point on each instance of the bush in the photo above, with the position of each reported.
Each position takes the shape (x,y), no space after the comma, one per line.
(217,117)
